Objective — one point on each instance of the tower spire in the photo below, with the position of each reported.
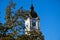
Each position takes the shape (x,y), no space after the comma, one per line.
(32,7)
(32,12)
(31,1)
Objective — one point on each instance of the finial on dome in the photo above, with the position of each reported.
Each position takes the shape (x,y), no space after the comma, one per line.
(32,7)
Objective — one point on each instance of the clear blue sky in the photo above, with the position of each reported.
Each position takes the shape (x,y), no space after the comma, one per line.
(47,10)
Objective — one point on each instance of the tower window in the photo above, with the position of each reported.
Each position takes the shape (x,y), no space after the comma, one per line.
(33,23)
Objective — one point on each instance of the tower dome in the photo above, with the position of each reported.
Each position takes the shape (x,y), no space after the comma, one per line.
(32,12)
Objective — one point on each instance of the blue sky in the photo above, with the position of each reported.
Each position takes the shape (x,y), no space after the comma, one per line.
(47,10)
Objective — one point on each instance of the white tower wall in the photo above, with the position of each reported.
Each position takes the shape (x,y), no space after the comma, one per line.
(37,25)
(27,25)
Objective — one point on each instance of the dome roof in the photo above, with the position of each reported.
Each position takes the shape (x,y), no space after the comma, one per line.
(33,13)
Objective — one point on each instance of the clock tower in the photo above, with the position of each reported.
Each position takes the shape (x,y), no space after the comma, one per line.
(32,22)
